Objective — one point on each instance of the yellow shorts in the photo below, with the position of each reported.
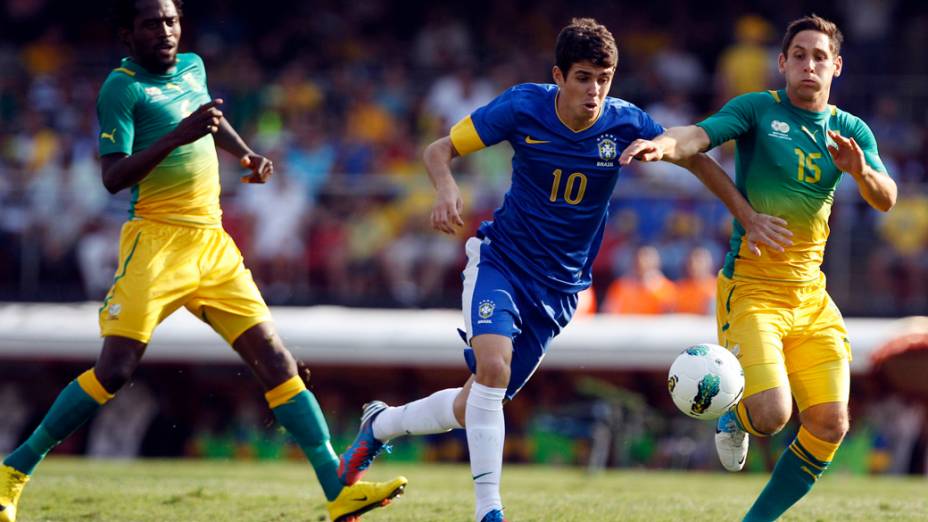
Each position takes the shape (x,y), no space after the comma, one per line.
(786,335)
(163,267)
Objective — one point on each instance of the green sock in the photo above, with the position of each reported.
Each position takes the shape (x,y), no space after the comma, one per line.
(792,478)
(71,409)
(303,418)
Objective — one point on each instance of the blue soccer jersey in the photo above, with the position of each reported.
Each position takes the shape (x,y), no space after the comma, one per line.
(552,218)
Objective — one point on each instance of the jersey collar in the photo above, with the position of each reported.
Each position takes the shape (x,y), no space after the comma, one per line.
(132,65)
(818,116)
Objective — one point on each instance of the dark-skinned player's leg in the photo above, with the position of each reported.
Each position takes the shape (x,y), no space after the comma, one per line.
(76,403)
(80,400)
(293,405)
(296,409)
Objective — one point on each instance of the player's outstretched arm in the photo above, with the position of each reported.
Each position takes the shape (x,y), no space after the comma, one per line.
(446,212)
(121,171)
(229,140)
(877,189)
(759,228)
(676,143)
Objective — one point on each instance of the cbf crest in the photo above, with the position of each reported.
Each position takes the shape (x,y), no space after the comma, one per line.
(608,150)
(485,310)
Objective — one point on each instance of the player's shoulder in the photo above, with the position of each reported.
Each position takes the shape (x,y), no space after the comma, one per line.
(613,106)
(187,61)
(619,111)
(848,123)
(843,116)
(124,74)
(120,80)
(759,99)
(530,96)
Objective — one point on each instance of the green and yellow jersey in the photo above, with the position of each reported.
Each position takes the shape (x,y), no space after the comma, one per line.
(135,108)
(783,168)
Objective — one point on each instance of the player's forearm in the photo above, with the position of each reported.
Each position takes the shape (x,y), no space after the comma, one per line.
(229,140)
(877,189)
(437,158)
(681,143)
(120,173)
(711,174)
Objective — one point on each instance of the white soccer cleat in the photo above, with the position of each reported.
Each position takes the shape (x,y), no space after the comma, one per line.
(731,442)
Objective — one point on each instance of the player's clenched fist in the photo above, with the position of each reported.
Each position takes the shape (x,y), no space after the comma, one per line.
(205,120)
(261,168)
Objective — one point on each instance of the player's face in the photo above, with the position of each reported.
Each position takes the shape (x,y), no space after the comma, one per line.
(582,91)
(155,35)
(809,65)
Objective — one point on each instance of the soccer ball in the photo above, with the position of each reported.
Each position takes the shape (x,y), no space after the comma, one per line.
(705,381)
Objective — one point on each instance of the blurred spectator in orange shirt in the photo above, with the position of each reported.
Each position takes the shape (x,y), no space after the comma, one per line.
(645,290)
(696,292)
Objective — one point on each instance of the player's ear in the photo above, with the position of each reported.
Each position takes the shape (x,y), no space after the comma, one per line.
(781,63)
(558,75)
(839,64)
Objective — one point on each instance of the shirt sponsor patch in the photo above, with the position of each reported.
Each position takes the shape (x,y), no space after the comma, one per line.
(780,130)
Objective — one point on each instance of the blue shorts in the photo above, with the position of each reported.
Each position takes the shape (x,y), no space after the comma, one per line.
(503,300)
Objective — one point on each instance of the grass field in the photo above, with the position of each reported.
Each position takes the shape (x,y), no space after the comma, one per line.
(209,491)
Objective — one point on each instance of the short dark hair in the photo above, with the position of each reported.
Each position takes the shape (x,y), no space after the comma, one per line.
(814,22)
(124,12)
(584,39)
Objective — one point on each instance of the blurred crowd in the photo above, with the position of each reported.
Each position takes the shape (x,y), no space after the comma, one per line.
(343,97)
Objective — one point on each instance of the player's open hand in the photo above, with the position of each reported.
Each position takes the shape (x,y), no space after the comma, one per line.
(205,120)
(446,213)
(847,154)
(641,150)
(769,230)
(261,168)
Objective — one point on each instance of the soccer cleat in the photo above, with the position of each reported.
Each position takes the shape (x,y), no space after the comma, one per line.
(361,453)
(12,483)
(493,516)
(359,498)
(731,442)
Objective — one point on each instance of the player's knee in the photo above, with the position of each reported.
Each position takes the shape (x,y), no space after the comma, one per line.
(113,376)
(493,372)
(831,428)
(771,422)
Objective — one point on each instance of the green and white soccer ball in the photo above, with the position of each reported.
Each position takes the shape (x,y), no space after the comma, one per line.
(705,381)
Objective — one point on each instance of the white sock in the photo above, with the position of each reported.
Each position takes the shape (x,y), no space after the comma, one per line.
(433,414)
(486,429)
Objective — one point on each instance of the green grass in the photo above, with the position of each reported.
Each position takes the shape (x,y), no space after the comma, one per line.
(209,491)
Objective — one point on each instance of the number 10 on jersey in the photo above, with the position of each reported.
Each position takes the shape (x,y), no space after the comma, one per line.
(574,188)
